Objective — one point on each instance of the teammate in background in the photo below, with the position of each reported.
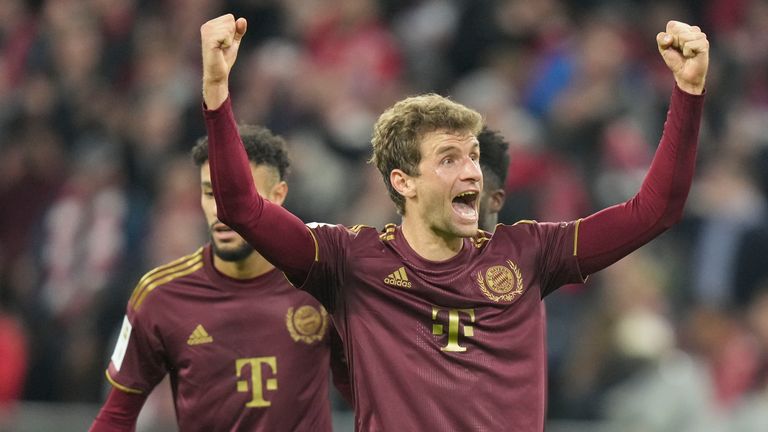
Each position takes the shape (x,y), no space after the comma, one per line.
(442,324)
(494,162)
(244,349)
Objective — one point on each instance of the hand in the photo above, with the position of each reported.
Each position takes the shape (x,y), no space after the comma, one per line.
(685,50)
(220,41)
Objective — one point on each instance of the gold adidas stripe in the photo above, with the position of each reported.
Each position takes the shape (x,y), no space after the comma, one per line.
(317,247)
(524,221)
(576,237)
(389,232)
(141,288)
(402,274)
(121,387)
(161,269)
(166,279)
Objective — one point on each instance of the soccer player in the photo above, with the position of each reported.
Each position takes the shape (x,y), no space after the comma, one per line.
(494,163)
(243,348)
(442,324)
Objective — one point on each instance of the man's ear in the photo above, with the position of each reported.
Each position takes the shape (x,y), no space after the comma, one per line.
(496,200)
(403,183)
(278,192)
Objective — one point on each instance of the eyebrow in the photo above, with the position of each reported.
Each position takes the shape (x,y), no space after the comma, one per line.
(448,147)
(206,183)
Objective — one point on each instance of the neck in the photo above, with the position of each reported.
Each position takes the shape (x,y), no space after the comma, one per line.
(428,243)
(249,268)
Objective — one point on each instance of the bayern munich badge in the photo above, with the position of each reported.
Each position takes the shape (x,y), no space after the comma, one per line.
(307,324)
(501,283)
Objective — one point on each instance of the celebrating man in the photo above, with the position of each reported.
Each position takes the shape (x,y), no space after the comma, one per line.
(442,323)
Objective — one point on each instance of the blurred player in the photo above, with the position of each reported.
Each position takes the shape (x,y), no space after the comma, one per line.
(442,324)
(494,163)
(243,348)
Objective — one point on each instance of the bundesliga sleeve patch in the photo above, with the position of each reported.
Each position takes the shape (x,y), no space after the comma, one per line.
(122,344)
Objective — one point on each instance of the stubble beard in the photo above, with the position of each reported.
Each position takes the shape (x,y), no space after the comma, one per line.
(239,253)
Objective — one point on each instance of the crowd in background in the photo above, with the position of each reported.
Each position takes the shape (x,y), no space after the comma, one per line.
(100,104)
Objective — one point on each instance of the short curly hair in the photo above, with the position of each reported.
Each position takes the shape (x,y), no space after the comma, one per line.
(261,146)
(494,157)
(398,132)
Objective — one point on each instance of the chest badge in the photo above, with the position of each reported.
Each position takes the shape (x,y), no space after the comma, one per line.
(307,324)
(501,283)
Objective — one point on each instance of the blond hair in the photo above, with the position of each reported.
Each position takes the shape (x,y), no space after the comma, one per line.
(398,132)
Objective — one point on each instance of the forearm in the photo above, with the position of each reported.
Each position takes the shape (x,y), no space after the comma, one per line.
(609,235)
(119,412)
(274,232)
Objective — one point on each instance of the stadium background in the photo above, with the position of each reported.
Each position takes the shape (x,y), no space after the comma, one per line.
(100,104)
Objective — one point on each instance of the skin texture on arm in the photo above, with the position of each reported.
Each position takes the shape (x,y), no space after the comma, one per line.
(119,412)
(277,234)
(607,236)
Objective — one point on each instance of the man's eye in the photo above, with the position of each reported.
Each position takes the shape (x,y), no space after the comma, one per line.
(447,161)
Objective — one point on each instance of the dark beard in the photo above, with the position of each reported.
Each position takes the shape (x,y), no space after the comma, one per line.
(233,255)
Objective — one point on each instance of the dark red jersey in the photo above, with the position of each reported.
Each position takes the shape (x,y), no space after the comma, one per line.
(454,345)
(241,354)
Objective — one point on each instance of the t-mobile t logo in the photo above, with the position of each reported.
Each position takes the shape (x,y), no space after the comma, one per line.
(454,322)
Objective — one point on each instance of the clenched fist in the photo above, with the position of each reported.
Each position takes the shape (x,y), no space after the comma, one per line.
(220,41)
(685,49)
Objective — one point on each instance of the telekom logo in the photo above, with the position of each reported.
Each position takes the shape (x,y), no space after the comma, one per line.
(455,317)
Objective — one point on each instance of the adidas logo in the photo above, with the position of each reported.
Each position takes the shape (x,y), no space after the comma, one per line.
(199,336)
(398,278)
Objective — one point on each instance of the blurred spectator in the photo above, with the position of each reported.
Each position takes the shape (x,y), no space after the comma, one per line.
(13,368)
(751,416)
(82,242)
(628,332)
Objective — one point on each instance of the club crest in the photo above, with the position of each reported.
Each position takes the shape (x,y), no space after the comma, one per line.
(306,324)
(501,283)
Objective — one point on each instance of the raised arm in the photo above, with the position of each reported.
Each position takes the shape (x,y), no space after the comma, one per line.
(609,235)
(277,234)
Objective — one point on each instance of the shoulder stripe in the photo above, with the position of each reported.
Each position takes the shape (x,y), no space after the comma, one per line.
(121,387)
(357,228)
(317,246)
(389,232)
(576,237)
(479,239)
(162,269)
(138,292)
(524,221)
(196,264)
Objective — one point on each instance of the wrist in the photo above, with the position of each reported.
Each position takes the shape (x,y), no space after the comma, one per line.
(215,92)
(691,88)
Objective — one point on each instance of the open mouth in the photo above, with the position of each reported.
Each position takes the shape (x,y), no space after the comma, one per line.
(465,204)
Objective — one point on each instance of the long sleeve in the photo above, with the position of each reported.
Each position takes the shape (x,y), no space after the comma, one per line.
(607,236)
(119,412)
(274,232)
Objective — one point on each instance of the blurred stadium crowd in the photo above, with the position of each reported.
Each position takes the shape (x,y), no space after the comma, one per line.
(100,103)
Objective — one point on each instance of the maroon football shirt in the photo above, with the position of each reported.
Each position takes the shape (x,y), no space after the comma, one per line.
(454,345)
(242,354)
